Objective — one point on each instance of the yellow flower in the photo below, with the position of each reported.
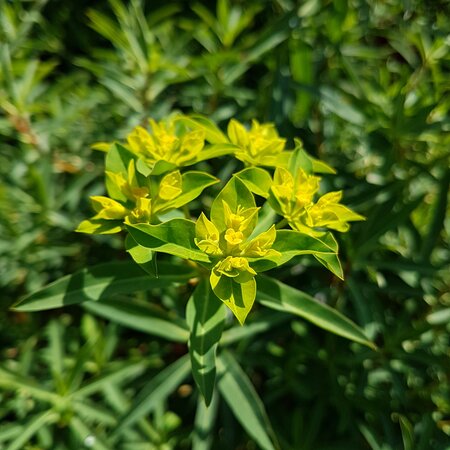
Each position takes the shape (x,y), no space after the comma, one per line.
(166,144)
(294,195)
(329,213)
(258,146)
(261,245)
(107,208)
(128,186)
(233,266)
(142,212)
(241,220)
(207,236)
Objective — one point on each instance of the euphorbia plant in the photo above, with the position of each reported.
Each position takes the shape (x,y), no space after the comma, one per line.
(222,251)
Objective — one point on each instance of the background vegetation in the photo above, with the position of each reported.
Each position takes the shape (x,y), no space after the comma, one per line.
(364,83)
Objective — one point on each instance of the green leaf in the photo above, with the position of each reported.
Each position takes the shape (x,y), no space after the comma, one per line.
(155,392)
(162,167)
(407,432)
(241,397)
(99,283)
(14,381)
(239,297)
(142,317)
(193,183)
(99,226)
(31,428)
(141,255)
(212,133)
(205,418)
(215,151)
(332,263)
(321,167)
(119,374)
(439,213)
(261,322)
(340,104)
(82,431)
(175,237)
(379,223)
(299,159)
(257,180)
(292,243)
(205,315)
(281,297)
(118,159)
(235,193)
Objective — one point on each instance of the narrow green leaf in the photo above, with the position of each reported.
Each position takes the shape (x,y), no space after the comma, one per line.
(94,412)
(267,41)
(82,431)
(155,391)
(279,296)
(116,375)
(407,432)
(11,431)
(142,317)
(341,105)
(56,348)
(31,428)
(261,322)
(175,237)
(12,381)
(205,418)
(205,315)
(241,397)
(441,317)
(439,213)
(100,282)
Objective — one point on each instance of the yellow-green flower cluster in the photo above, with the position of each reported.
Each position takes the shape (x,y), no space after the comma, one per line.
(166,143)
(130,202)
(259,146)
(232,250)
(294,198)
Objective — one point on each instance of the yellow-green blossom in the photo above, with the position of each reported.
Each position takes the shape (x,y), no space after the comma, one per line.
(128,186)
(294,198)
(164,143)
(132,202)
(232,252)
(329,213)
(260,145)
(294,195)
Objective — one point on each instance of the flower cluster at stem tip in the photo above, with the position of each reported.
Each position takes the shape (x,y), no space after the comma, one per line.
(145,181)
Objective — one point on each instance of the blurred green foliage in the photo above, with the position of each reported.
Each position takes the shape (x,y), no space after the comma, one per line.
(366,86)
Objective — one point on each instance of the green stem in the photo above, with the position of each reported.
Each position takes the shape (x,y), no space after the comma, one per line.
(282,223)
(186,212)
